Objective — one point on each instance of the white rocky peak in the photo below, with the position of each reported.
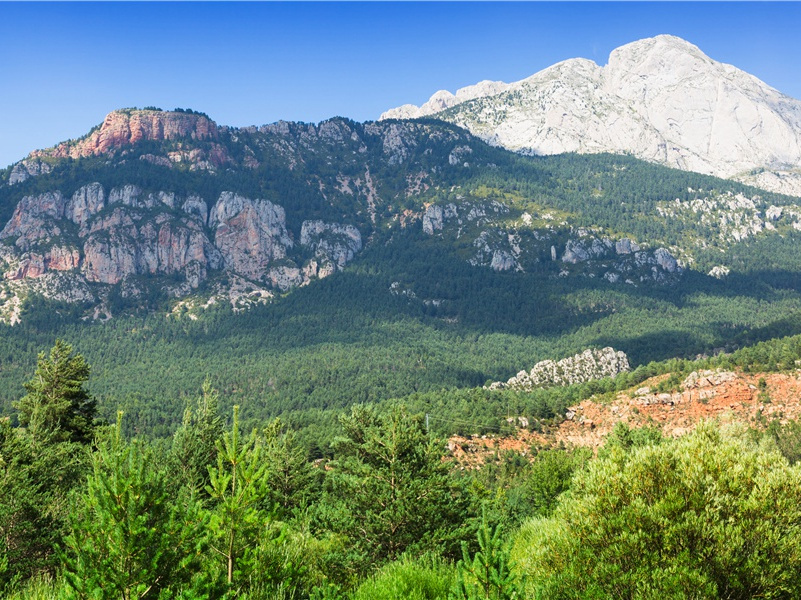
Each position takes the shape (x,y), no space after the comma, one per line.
(443,99)
(661,99)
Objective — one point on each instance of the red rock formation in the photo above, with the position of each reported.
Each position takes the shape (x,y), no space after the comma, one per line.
(125,127)
(57,258)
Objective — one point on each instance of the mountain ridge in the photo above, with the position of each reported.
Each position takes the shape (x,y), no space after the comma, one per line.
(169,204)
(661,99)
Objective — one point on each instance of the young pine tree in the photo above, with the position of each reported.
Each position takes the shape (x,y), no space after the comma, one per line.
(130,538)
(238,486)
(194,445)
(488,575)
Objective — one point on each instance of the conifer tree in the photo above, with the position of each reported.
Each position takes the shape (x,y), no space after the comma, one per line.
(57,407)
(487,576)
(238,487)
(393,486)
(130,537)
(194,445)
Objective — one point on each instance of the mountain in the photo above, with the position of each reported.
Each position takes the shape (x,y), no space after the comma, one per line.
(248,213)
(308,266)
(661,99)
(168,204)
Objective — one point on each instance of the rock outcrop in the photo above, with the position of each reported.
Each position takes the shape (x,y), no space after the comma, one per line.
(661,99)
(587,366)
(100,236)
(26,169)
(249,233)
(620,260)
(330,241)
(123,128)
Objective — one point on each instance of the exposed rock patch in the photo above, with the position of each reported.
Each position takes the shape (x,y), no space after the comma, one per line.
(587,366)
(126,127)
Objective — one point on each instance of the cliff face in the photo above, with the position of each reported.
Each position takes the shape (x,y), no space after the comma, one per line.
(126,127)
(661,99)
(107,236)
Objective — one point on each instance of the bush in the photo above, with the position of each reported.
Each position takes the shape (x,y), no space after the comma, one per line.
(426,578)
(709,515)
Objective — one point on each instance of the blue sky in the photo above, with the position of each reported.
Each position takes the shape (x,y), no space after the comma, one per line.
(64,66)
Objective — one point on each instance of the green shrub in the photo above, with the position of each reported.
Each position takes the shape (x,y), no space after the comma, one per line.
(709,515)
(426,578)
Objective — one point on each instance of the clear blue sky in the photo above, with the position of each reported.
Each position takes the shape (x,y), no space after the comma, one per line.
(64,66)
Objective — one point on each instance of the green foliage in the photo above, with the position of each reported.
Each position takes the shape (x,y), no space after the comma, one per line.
(293,482)
(194,445)
(393,488)
(550,476)
(624,438)
(130,538)
(488,574)
(408,578)
(40,588)
(787,437)
(237,486)
(709,515)
(57,407)
(26,528)
(41,462)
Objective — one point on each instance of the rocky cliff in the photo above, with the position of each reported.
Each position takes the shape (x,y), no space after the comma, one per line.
(123,128)
(661,99)
(100,236)
(187,138)
(587,366)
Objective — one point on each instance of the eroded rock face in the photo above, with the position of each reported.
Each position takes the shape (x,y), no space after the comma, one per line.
(115,239)
(125,127)
(35,220)
(336,243)
(107,236)
(196,206)
(26,169)
(249,233)
(166,246)
(127,195)
(435,216)
(37,264)
(86,202)
(587,366)
(622,260)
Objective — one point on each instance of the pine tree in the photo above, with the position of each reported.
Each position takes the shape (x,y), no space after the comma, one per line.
(194,445)
(238,487)
(392,484)
(488,575)
(130,537)
(57,407)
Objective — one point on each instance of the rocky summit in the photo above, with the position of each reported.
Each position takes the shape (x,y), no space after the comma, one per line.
(661,99)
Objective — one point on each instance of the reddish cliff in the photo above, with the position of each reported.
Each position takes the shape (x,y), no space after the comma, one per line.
(125,127)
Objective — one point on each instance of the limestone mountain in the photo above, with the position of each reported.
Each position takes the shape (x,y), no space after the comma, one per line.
(168,204)
(661,99)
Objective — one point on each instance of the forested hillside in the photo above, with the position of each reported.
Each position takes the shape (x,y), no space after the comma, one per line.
(476,263)
(220,510)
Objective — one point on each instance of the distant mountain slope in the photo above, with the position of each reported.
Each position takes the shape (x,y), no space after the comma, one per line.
(167,204)
(374,259)
(660,99)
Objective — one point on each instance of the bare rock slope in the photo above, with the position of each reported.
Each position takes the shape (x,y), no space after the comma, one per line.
(661,99)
